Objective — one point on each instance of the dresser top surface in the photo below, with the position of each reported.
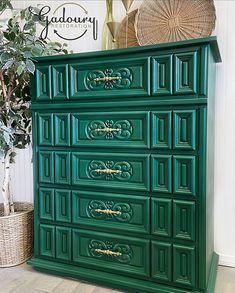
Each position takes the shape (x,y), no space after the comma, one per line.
(211,41)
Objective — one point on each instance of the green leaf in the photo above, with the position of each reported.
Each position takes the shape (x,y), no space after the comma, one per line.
(5,57)
(20,68)
(30,66)
(27,54)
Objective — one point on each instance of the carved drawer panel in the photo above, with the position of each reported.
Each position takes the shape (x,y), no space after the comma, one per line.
(110,252)
(120,212)
(110,78)
(117,129)
(47,241)
(123,171)
(43,81)
(175,74)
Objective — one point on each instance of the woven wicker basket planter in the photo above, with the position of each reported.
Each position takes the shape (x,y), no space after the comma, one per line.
(16,235)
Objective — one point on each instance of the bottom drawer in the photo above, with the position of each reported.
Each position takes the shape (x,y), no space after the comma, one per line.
(111,252)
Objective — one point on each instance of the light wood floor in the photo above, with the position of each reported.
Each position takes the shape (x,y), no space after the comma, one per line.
(23,279)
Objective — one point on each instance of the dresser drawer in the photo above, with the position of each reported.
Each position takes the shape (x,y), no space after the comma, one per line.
(110,78)
(120,212)
(175,74)
(117,129)
(109,170)
(125,255)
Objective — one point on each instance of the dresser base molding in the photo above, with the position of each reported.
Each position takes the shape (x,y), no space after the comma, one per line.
(116,281)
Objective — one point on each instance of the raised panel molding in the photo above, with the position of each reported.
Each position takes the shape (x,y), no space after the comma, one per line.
(63,243)
(185,134)
(162,129)
(185,175)
(161,219)
(161,261)
(43,80)
(46,204)
(47,241)
(184,272)
(108,171)
(60,82)
(46,167)
(127,255)
(162,173)
(62,129)
(163,75)
(62,168)
(186,73)
(184,215)
(63,205)
(115,211)
(45,129)
(112,129)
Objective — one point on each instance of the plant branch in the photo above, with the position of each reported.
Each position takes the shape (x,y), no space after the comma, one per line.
(4,91)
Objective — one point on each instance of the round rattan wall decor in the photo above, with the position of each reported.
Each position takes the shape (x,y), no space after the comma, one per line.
(160,21)
(127,34)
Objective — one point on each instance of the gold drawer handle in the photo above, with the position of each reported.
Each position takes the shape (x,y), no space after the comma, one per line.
(108,252)
(108,212)
(108,78)
(108,171)
(107,129)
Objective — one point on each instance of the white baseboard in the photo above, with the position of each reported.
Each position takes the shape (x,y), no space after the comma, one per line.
(227,260)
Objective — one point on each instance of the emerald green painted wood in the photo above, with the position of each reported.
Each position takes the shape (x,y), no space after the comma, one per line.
(161,261)
(185,129)
(45,129)
(63,205)
(43,81)
(162,130)
(111,170)
(62,168)
(63,243)
(88,209)
(185,72)
(184,271)
(129,77)
(112,129)
(62,129)
(184,215)
(60,82)
(162,173)
(121,161)
(47,241)
(161,219)
(185,175)
(94,249)
(46,204)
(163,75)
(46,167)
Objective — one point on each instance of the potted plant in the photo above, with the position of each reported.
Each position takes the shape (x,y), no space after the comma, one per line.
(18,45)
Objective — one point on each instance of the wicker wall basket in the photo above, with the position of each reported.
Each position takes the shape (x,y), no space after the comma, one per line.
(127,34)
(16,235)
(160,21)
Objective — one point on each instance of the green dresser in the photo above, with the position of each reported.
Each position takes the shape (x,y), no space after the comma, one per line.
(123,167)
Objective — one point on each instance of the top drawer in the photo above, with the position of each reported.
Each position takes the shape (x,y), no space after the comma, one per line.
(116,78)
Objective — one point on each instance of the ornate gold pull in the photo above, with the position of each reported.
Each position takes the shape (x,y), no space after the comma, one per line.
(108,212)
(108,252)
(107,129)
(108,78)
(108,171)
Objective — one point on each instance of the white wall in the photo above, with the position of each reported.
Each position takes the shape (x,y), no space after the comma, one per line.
(224,122)
(225,136)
